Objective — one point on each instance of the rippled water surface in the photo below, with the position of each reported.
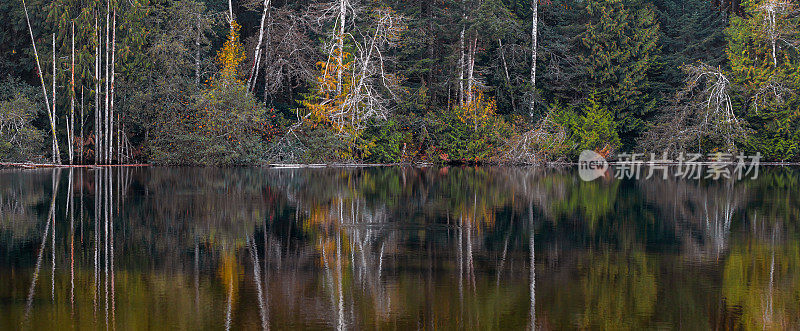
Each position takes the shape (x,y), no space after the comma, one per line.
(395,248)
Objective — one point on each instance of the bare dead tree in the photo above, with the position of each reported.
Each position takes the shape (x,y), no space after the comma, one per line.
(777,28)
(701,110)
(340,43)
(257,55)
(539,145)
(773,91)
(367,99)
(288,54)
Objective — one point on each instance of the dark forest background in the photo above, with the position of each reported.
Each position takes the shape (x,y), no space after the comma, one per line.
(255,81)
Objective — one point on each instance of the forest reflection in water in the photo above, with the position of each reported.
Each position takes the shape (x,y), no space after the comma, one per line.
(399,247)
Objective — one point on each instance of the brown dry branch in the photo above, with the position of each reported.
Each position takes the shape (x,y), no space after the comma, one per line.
(540,145)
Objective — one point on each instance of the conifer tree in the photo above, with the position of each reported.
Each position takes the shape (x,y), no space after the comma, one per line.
(617,51)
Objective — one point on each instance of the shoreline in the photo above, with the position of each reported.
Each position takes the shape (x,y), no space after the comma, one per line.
(24,165)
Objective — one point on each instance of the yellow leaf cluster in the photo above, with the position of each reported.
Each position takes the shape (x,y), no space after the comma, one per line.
(325,99)
(231,55)
(479,112)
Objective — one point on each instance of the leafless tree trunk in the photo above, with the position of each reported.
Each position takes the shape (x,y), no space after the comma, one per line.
(340,41)
(462,60)
(197,53)
(80,157)
(114,124)
(267,59)
(71,119)
(56,151)
(534,46)
(703,109)
(107,119)
(471,69)
(777,27)
(251,83)
(41,79)
(364,100)
(505,70)
(97,60)
(230,13)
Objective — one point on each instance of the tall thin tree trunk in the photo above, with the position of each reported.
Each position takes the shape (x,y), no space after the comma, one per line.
(505,69)
(41,76)
(471,69)
(71,121)
(267,59)
(230,11)
(462,60)
(251,83)
(340,57)
(106,135)
(534,45)
(773,38)
(97,60)
(532,272)
(80,157)
(197,53)
(56,151)
(114,124)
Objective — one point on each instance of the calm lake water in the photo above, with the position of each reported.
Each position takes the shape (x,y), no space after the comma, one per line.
(396,248)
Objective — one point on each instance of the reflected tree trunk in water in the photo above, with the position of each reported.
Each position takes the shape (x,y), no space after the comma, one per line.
(96,280)
(341,323)
(196,275)
(533,269)
(229,307)
(106,194)
(56,181)
(251,246)
(70,206)
(50,220)
(112,194)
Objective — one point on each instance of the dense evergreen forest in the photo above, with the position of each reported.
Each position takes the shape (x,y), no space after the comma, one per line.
(481,81)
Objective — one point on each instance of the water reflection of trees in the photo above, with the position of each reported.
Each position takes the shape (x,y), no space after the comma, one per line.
(379,247)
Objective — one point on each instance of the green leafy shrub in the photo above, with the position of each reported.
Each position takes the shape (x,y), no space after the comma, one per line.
(383,142)
(19,108)
(221,126)
(596,128)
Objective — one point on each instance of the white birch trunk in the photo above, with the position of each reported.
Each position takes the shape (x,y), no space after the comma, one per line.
(230,11)
(340,57)
(534,45)
(471,69)
(257,55)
